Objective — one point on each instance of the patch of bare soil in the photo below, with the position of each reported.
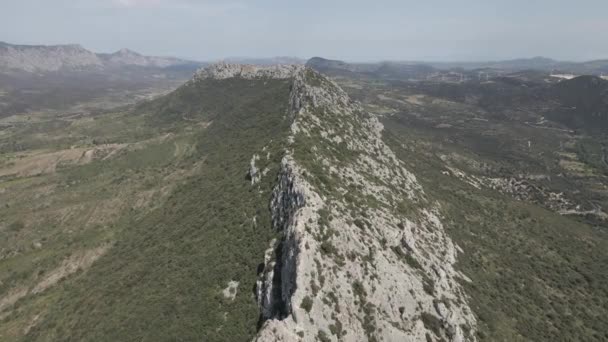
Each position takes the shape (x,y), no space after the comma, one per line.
(43,162)
(12,297)
(81,260)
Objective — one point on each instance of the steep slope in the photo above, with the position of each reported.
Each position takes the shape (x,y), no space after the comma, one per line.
(363,254)
(69,186)
(539,272)
(186,268)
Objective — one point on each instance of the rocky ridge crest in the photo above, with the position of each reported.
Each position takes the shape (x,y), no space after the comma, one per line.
(247,71)
(362,254)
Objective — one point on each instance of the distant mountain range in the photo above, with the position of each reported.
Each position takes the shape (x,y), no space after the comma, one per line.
(535,63)
(61,76)
(52,58)
(74,57)
(417,68)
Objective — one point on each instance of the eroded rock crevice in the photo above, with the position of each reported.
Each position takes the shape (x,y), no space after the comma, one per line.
(276,281)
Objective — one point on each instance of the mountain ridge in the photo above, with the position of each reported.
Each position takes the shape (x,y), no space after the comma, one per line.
(74,57)
(596,67)
(278,182)
(277,204)
(328,231)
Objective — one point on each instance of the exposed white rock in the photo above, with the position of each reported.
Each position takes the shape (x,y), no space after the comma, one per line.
(225,70)
(231,290)
(254,173)
(363,255)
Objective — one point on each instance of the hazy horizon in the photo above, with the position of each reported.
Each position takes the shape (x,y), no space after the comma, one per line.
(210,30)
(304,59)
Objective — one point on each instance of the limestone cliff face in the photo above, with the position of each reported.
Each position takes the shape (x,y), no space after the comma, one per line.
(362,254)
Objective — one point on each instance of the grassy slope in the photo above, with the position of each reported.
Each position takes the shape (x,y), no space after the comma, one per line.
(46,218)
(536,275)
(23,92)
(162,278)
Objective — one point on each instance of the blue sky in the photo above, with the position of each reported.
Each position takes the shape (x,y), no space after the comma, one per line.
(353,30)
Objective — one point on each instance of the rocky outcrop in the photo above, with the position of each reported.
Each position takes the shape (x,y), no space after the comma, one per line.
(277,282)
(254,173)
(363,255)
(226,70)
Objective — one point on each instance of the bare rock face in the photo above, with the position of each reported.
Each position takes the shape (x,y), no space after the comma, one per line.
(230,291)
(363,255)
(225,70)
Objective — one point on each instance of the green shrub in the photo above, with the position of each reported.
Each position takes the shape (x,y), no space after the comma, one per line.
(306,304)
